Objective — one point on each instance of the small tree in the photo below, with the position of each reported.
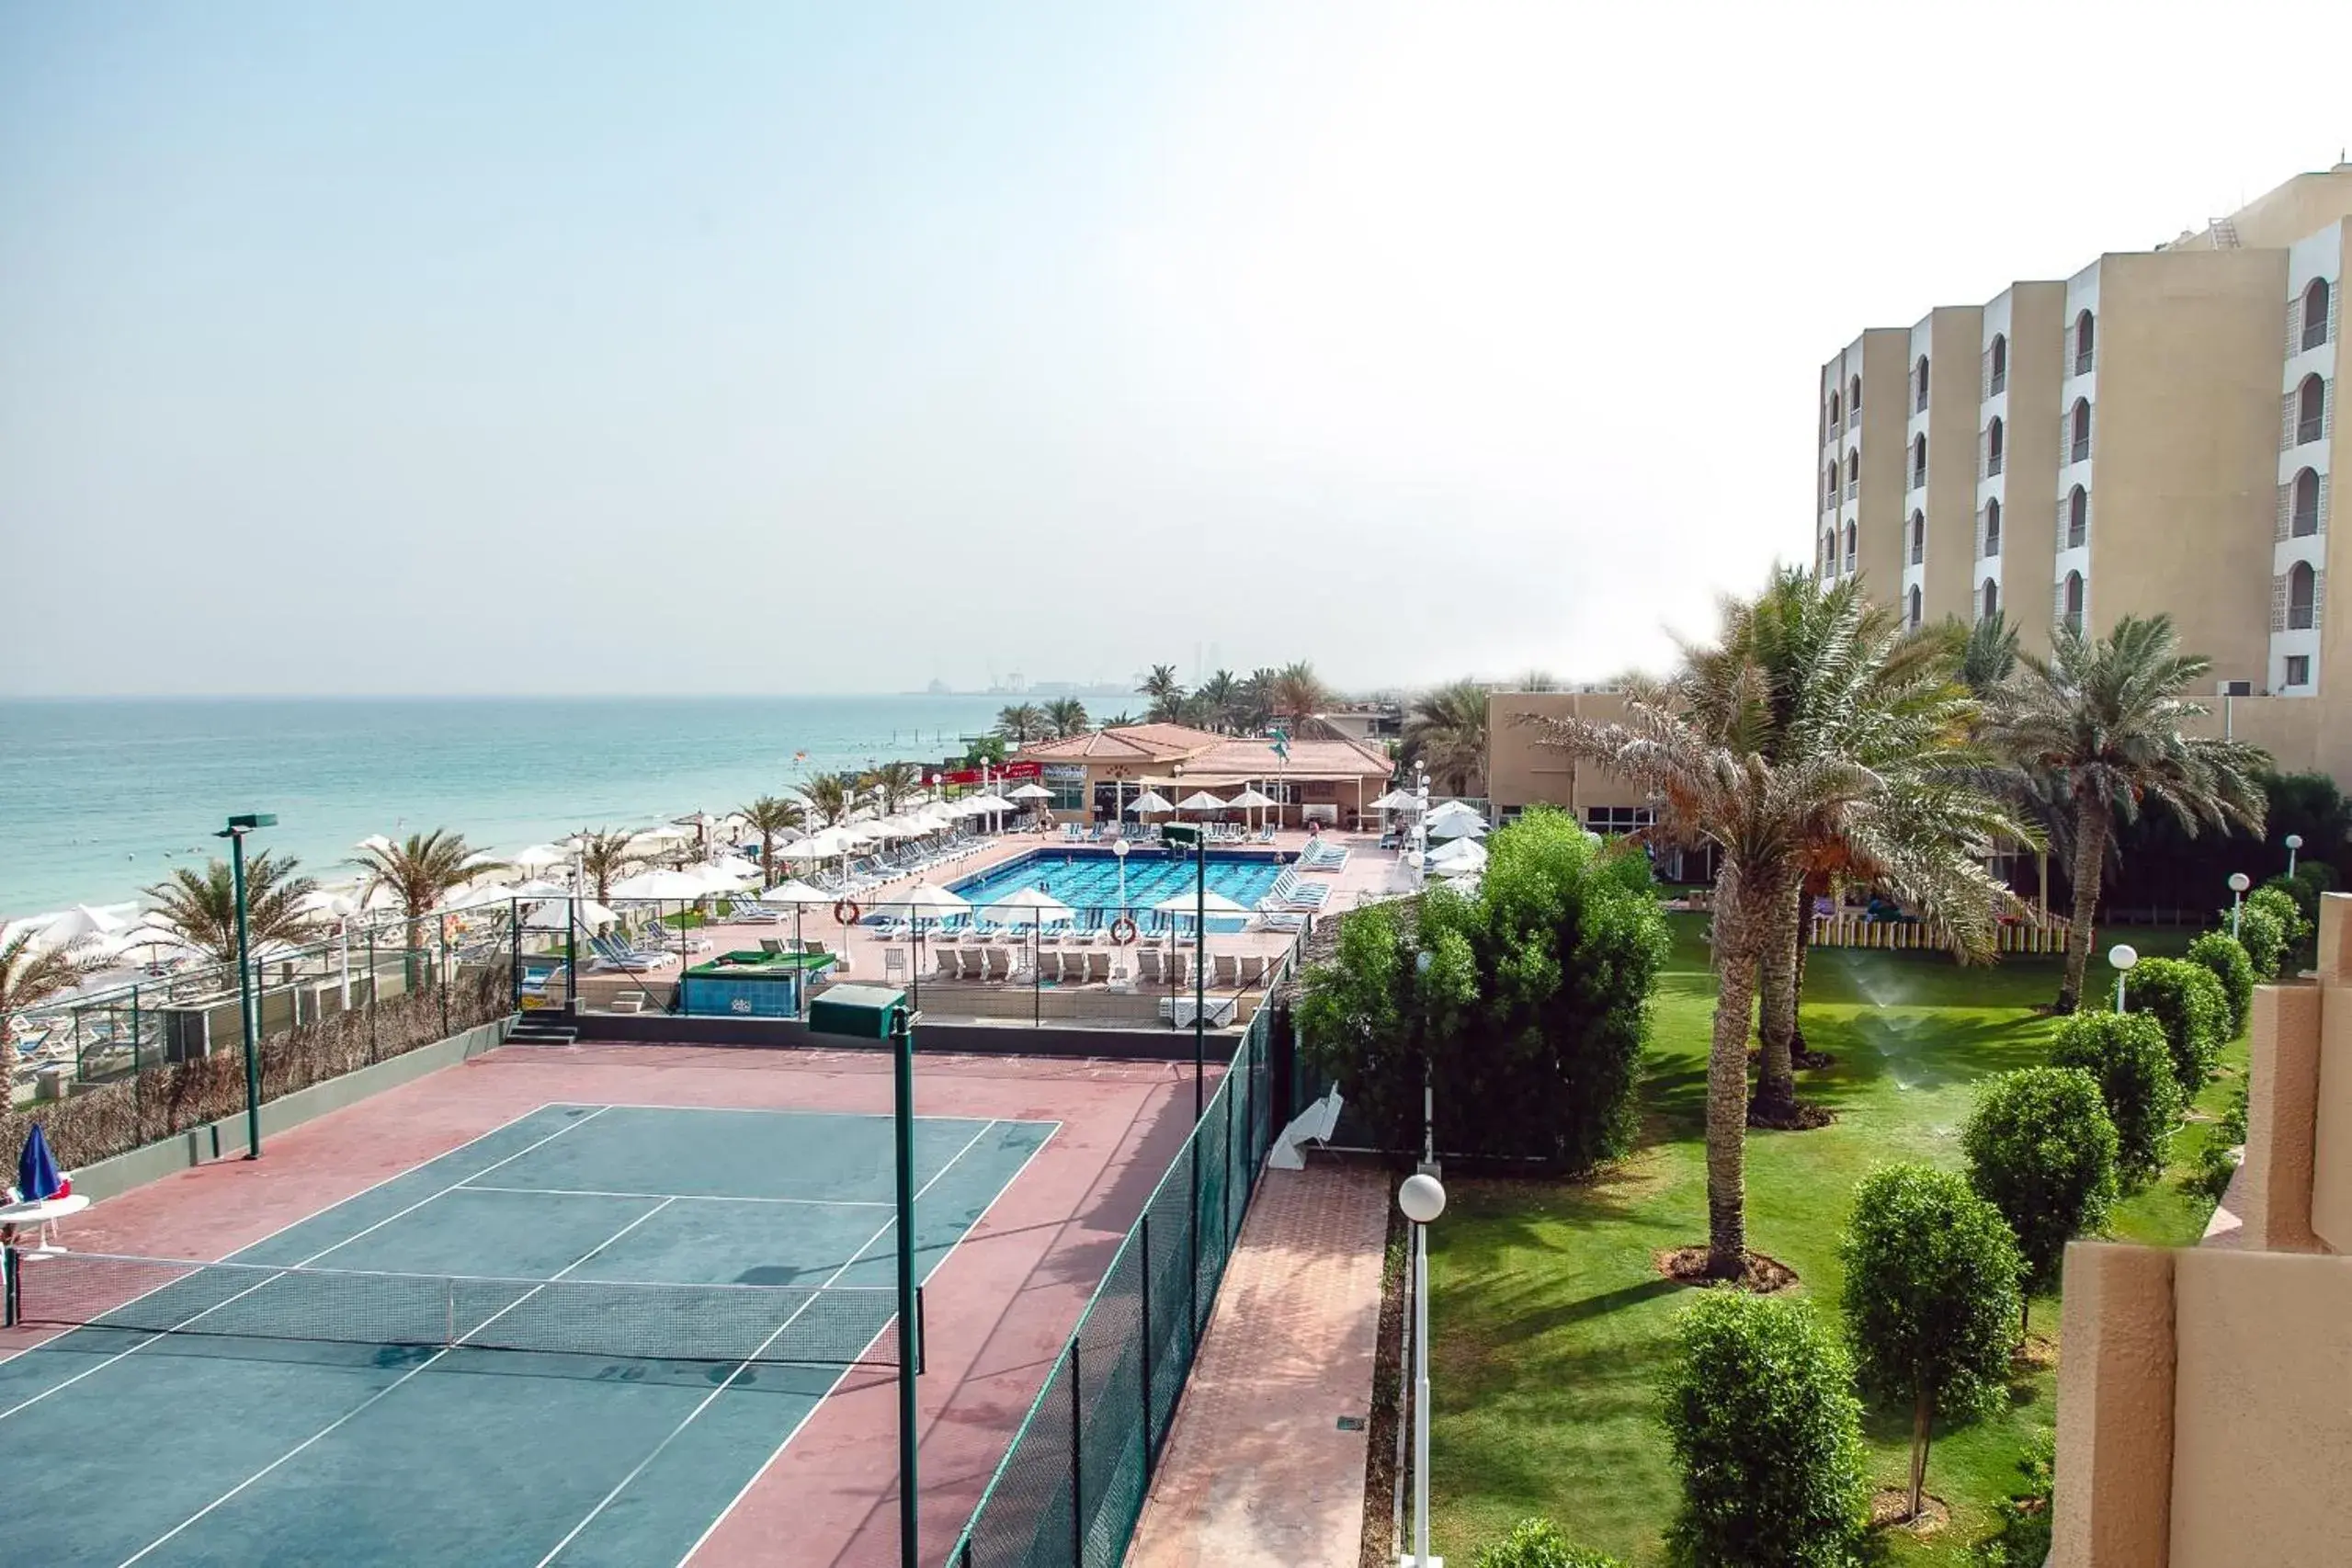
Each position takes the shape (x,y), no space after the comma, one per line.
(2194,1010)
(2264,937)
(1760,1409)
(1538,1543)
(1931,1289)
(2041,1150)
(2226,957)
(2126,1054)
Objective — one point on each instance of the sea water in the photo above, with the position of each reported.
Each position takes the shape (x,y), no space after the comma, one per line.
(100,799)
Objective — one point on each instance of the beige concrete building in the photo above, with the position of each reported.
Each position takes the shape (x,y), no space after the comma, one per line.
(1098,777)
(2205,1395)
(2156,432)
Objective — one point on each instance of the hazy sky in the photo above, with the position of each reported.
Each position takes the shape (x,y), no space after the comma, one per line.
(601,347)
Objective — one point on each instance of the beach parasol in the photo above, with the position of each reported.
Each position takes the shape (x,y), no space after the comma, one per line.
(539,857)
(1461,854)
(1149,801)
(1032,906)
(78,925)
(1454,820)
(681,887)
(550,916)
(1031,792)
(793,891)
(1213,903)
(1251,799)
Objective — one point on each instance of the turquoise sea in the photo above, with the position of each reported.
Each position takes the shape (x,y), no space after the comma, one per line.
(100,799)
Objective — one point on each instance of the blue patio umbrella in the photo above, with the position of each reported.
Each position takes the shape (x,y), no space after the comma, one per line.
(38,1177)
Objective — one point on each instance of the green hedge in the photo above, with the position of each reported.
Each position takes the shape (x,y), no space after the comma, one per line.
(2190,1003)
(2126,1054)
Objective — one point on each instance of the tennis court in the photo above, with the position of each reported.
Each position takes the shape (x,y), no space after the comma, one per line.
(583,1335)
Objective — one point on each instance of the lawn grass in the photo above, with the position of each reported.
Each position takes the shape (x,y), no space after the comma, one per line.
(1551,1323)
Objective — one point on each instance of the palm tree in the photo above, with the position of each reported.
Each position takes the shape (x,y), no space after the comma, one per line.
(1298,692)
(31,976)
(1221,694)
(1761,766)
(1021,722)
(1067,716)
(1119,721)
(831,797)
(605,855)
(202,906)
(892,784)
(1446,727)
(1539,680)
(1988,653)
(1165,691)
(419,871)
(2101,722)
(771,816)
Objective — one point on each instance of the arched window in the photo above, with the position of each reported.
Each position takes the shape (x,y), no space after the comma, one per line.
(1919,378)
(2315,313)
(1998,374)
(1854,398)
(1989,600)
(2085,343)
(2311,410)
(1992,527)
(1849,546)
(2078,518)
(1829,485)
(1992,442)
(1853,467)
(1833,406)
(1915,607)
(2304,518)
(2078,432)
(2301,583)
(1826,553)
(2072,601)
(1918,461)
(1918,538)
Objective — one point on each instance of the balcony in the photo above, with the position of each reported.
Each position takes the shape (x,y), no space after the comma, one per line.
(1992,543)
(1853,488)
(1998,385)
(1849,562)
(1919,478)
(2080,451)
(2304,523)
(2308,430)
(1918,554)
(1992,464)
(2315,331)
(2083,359)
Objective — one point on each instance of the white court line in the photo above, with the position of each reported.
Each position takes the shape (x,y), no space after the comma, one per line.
(682,1197)
(782,1110)
(769,1464)
(691,1415)
(386,1390)
(249,1290)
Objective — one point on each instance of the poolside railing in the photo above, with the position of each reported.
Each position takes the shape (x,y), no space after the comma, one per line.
(1072,1484)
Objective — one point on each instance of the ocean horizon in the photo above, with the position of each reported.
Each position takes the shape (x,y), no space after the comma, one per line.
(101,797)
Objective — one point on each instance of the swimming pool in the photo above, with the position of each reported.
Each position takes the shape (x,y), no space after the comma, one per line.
(1087,879)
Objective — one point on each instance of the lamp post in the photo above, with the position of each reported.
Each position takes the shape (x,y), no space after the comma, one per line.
(1177,836)
(236,833)
(1118,853)
(1423,1198)
(1421,823)
(2294,842)
(2123,955)
(871,1013)
(2239,882)
(1421,1031)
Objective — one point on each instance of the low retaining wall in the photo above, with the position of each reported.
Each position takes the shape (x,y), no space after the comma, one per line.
(225,1138)
(1159,1043)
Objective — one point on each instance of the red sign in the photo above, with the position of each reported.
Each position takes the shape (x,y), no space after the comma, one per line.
(1011,770)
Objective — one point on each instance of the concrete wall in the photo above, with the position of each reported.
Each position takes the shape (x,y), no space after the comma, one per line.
(2028,522)
(1955,337)
(226,1138)
(1520,772)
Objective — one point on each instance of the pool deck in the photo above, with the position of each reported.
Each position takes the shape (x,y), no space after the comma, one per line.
(1369,871)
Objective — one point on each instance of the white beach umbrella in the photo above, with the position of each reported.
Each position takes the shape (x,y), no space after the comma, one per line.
(1032,906)
(991,803)
(734,868)
(1031,792)
(550,917)
(1251,799)
(1453,820)
(148,943)
(1200,800)
(376,841)
(793,891)
(1397,800)
(539,857)
(931,900)
(1150,801)
(479,897)
(1213,903)
(77,925)
(537,887)
(662,833)
(666,885)
(483,861)
(1461,854)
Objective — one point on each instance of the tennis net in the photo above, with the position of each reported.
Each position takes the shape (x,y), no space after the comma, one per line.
(616,1320)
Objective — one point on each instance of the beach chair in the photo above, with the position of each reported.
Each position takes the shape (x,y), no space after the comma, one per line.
(1147,965)
(1000,963)
(772,945)
(1226,971)
(1098,964)
(894,965)
(946,966)
(1179,969)
(1252,971)
(968,963)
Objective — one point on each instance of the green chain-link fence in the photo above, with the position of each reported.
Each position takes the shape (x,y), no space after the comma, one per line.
(1072,1482)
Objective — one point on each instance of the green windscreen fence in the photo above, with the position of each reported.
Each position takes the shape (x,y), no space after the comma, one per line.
(1072,1482)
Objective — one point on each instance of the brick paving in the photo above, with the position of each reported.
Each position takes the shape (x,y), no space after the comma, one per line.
(1257,1470)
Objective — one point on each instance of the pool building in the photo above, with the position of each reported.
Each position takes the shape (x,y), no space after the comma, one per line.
(1325,779)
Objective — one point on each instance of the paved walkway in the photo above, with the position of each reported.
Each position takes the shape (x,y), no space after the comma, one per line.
(1257,1470)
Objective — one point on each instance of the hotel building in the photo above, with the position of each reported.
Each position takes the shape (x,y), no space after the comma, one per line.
(2156,432)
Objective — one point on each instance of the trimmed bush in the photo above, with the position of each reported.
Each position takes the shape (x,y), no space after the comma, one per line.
(2024,1541)
(2226,957)
(2126,1054)
(2190,1003)
(1538,1543)
(1760,1409)
(2041,1150)
(1931,1299)
(2264,937)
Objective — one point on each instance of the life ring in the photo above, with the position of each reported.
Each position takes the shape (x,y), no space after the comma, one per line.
(1123,931)
(846,911)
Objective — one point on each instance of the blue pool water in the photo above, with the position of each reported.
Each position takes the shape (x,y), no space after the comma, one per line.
(1087,881)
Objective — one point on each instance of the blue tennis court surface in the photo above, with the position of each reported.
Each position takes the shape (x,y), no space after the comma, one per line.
(241,1441)
(1088,879)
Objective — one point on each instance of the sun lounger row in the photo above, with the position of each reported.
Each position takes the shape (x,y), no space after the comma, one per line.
(1291,890)
(1179,1011)
(1321,855)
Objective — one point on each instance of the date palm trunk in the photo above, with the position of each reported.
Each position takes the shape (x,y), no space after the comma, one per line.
(1776,1085)
(1737,928)
(2091,829)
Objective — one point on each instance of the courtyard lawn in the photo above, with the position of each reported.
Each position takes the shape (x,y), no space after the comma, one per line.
(1551,1321)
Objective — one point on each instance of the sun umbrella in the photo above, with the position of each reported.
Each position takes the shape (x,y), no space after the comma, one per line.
(1150,801)
(537,887)
(929,901)
(1200,800)
(1030,905)
(793,891)
(550,917)
(1250,799)
(1397,800)
(539,857)
(1461,854)
(1212,903)
(1453,820)
(79,923)
(673,886)
(376,841)
(662,833)
(734,868)
(990,803)
(477,898)
(483,861)
(1032,792)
